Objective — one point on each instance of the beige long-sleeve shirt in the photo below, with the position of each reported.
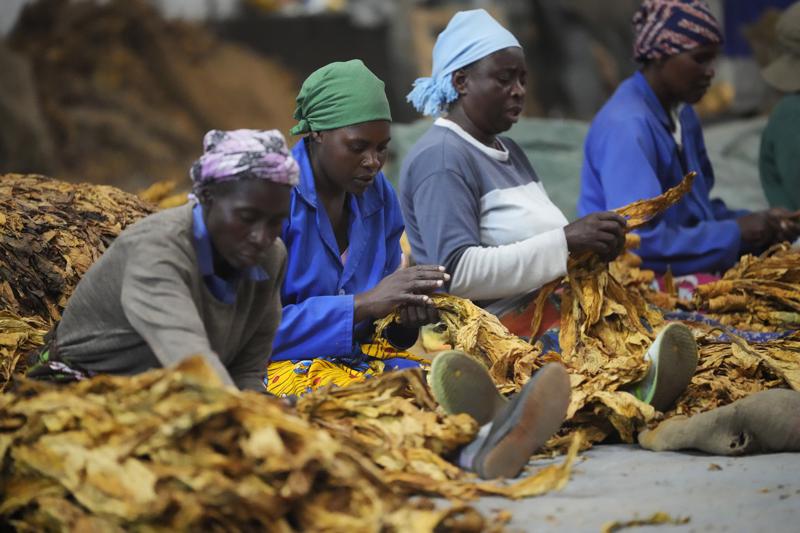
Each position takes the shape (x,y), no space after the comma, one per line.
(144,305)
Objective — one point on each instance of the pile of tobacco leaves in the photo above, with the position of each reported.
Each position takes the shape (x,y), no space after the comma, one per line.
(174,450)
(127,95)
(758,294)
(50,234)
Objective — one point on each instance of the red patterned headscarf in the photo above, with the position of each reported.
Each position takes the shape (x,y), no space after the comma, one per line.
(666,28)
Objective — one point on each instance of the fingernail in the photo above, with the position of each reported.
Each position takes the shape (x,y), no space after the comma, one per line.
(441,268)
(439,283)
(447,277)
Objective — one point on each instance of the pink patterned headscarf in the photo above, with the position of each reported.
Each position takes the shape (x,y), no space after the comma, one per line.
(240,154)
(666,28)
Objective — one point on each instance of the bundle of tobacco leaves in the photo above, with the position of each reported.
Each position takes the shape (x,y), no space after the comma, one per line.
(732,369)
(758,294)
(164,194)
(172,450)
(18,336)
(605,331)
(50,234)
(510,360)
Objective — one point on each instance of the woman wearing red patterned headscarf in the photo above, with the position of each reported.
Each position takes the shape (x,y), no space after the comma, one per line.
(647,137)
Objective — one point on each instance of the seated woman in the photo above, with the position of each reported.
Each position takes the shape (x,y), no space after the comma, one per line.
(200,279)
(647,137)
(473,203)
(343,242)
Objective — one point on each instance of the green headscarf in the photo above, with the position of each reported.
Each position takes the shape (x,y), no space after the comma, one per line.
(338,95)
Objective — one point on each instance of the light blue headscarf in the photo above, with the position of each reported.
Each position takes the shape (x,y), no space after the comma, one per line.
(470,36)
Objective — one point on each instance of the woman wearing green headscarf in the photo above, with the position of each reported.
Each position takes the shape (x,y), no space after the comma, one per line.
(343,242)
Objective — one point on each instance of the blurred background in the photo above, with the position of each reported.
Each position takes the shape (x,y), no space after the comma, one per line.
(121,91)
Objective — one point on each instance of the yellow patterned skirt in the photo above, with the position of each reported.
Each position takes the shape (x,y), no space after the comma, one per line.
(288,378)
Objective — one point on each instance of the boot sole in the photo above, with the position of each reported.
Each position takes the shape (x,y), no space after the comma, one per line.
(463,385)
(677,363)
(535,415)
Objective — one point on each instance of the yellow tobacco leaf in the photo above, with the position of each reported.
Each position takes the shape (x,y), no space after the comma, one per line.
(655,519)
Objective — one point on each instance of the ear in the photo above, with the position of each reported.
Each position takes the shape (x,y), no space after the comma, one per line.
(316,137)
(206,197)
(460,81)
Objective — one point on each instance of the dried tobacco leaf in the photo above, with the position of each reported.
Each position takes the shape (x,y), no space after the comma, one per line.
(163,195)
(657,518)
(18,336)
(641,212)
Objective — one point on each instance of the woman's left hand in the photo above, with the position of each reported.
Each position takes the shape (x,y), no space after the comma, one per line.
(787,227)
(414,316)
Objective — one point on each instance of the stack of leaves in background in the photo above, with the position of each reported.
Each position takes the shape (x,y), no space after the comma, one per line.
(758,294)
(50,234)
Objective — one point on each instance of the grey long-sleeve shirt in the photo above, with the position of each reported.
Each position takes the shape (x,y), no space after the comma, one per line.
(144,305)
(483,214)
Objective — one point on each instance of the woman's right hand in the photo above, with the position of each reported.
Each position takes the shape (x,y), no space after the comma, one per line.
(601,233)
(406,287)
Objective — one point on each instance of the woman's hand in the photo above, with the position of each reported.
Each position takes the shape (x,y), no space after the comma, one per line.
(787,224)
(408,288)
(600,233)
(758,230)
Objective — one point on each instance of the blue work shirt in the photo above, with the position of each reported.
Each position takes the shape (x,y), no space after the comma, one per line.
(631,154)
(318,294)
(223,289)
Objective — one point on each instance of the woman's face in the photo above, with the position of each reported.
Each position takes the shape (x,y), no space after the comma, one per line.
(244,218)
(687,76)
(492,90)
(352,156)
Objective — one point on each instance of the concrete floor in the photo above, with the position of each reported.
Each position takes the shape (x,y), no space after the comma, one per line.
(623,482)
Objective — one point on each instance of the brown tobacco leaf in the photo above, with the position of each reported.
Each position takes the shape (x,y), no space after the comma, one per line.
(163,195)
(50,234)
(172,450)
(18,336)
(657,518)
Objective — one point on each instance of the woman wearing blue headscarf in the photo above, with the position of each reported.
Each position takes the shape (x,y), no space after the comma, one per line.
(500,237)
(473,203)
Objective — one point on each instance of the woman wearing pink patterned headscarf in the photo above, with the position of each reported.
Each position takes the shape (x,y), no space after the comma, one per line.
(647,137)
(200,279)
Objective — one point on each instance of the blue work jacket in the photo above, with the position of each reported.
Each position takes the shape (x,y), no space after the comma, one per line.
(318,293)
(630,154)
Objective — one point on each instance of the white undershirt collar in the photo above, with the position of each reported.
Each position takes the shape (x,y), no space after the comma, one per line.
(500,155)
